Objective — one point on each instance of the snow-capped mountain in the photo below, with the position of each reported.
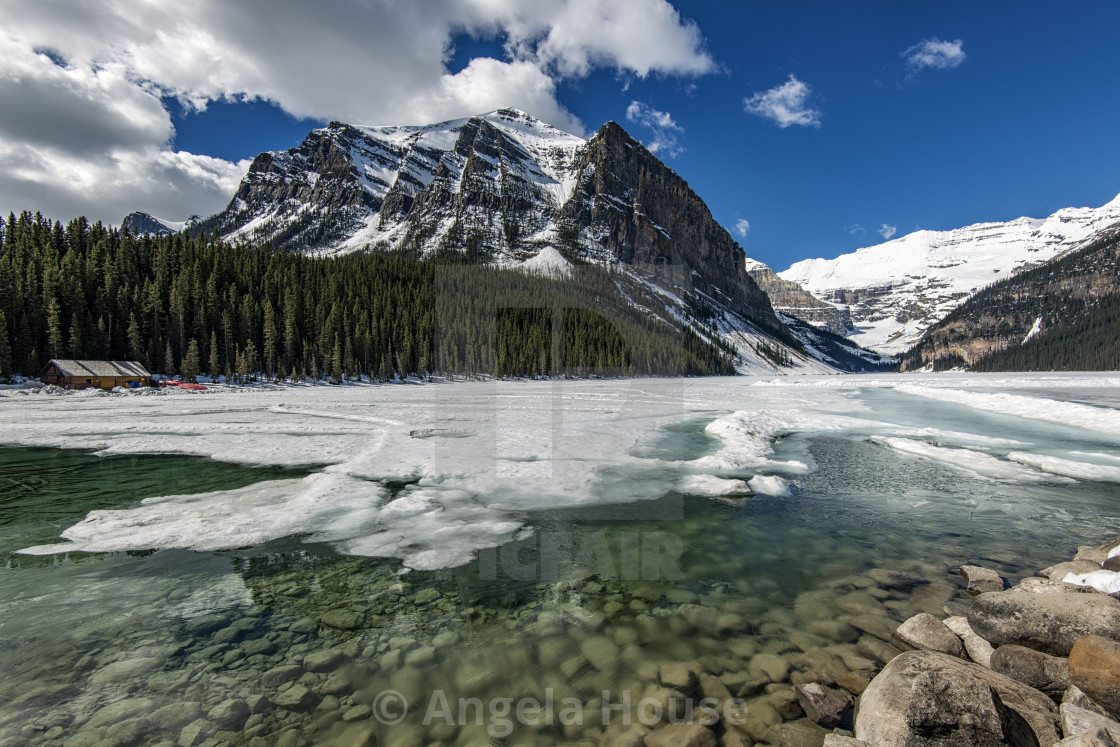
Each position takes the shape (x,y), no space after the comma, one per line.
(894,291)
(791,299)
(498,188)
(145,223)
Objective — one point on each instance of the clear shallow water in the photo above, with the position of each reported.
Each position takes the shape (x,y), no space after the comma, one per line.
(99,647)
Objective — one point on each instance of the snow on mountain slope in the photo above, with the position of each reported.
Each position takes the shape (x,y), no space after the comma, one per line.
(146,223)
(895,290)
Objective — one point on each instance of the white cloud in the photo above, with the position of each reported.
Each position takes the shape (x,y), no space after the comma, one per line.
(785,105)
(665,131)
(90,110)
(887,231)
(857,230)
(936,54)
(742,227)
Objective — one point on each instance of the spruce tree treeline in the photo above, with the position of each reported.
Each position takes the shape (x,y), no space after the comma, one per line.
(193,306)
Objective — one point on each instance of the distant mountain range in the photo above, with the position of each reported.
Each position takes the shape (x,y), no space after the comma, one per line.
(506,189)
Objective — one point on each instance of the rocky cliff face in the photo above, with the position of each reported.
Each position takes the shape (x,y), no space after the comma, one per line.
(501,188)
(146,223)
(791,299)
(633,209)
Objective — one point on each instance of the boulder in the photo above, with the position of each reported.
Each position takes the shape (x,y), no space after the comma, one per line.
(1098,553)
(1075,696)
(341,619)
(979,650)
(1099,738)
(1079,721)
(825,706)
(926,697)
(1045,622)
(927,633)
(296,698)
(1041,671)
(1094,666)
(981,579)
(1059,571)
(799,733)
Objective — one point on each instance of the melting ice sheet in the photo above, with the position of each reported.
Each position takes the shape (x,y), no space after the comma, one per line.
(431,474)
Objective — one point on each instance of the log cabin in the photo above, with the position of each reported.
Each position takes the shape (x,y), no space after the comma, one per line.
(74,374)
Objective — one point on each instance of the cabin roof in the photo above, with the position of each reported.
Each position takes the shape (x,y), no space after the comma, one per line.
(70,367)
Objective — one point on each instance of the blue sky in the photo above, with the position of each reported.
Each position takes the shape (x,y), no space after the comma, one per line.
(904,115)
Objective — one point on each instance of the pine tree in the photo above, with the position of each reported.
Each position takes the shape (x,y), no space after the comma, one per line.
(5,349)
(214,367)
(168,360)
(191,362)
(54,328)
(336,361)
(135,344)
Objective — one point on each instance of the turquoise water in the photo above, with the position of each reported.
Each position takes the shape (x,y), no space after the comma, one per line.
(292,643)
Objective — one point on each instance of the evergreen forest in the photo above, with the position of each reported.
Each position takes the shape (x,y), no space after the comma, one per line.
(199,306)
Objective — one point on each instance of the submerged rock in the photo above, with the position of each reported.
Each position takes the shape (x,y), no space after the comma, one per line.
(1045,622)
(823,705)
(981,579)
(925,697)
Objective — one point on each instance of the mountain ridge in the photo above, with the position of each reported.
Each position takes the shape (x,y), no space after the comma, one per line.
(894,291)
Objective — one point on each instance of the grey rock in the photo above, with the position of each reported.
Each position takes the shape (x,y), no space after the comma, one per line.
(1041,671)
(823,705)
(258,646)
(279,675)
(126,669)
(342,619)
(981,579)
(195,733)
(357,713)
(799,733)
(1058,572)
(176,715)
(122,710)
(601,651)
(838,740)
(1075,696)
(1098,738)
(230,714)
(322,660)
(1097,553)
(1045,622)
(682,677)
(295,698)
(205,624)
(896,580)
(1078,721)
(979,650)
(925,632)
(127,733)
(925,697)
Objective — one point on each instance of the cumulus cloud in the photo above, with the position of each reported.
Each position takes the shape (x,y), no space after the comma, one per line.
(742,227)
(887,231)
(934,53)
(81,84)
(785,105)
(660,124)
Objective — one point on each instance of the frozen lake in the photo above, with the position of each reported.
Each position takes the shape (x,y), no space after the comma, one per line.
(503,539)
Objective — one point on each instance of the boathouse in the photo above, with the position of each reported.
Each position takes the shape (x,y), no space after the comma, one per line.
(73,374)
